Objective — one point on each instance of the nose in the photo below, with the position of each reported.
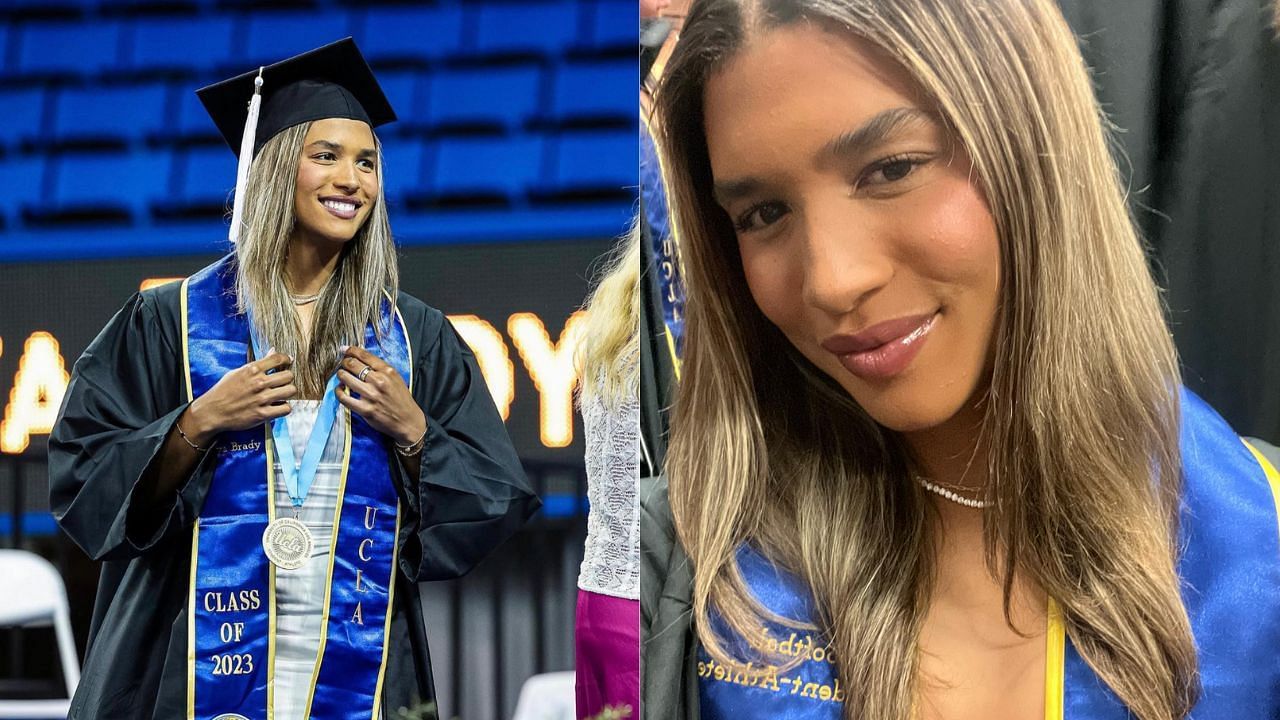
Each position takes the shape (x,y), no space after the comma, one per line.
(845,257)
(346,179)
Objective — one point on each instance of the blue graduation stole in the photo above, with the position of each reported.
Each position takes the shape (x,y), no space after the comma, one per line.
(1230,569)
(656,213)
(231,616)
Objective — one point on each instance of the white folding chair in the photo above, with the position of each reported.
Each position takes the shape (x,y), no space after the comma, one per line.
(33,596)
(549,696)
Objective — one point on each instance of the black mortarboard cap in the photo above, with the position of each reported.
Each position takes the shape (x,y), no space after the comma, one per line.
(332,81)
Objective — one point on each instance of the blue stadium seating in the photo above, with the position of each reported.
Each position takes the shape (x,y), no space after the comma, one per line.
(503,97)
(526,28)
(595,161)
(274,36)
(26,174)
(403,160)
(193,121)
(113,182)
(596,90)
(486,166)
(47,6)
(512,112)
(406,90)
(67,48)
(122,113)
(399,34)
(182,43)
(206,175)
(23,112)
(613,24)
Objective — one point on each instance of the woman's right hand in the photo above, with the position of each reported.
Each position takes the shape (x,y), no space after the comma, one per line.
(245,397)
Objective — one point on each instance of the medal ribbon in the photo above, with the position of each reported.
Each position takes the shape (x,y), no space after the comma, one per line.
(298,479)
(231,614)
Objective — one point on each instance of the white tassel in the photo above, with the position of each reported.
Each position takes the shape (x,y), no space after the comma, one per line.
(246,157)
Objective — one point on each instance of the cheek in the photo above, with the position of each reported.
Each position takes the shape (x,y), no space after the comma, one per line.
(767,278)
(956,237)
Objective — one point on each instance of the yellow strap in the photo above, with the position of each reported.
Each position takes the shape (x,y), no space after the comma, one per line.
(1054,663)
(1273,477)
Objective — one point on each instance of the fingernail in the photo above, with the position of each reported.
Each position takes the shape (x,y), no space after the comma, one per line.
(343,348)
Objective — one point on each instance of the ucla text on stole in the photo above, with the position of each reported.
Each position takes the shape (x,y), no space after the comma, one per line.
(229,601)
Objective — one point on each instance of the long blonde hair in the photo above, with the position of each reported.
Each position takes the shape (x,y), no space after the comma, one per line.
(1081,413)
(610,345)
(349,301)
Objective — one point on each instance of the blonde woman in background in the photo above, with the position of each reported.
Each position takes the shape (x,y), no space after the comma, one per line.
(930,454)
(607,629)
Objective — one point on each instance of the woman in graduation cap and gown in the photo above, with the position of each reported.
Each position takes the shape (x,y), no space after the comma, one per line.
(930,455)
(271,454)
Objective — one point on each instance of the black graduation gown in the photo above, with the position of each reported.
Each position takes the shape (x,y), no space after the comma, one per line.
(125,393)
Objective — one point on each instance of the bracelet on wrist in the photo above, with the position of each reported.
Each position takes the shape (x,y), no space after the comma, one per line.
(186,439)
(413,448)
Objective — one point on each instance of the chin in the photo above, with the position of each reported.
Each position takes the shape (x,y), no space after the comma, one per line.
(909,405)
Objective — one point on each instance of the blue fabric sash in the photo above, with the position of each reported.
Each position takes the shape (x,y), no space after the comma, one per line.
(1230,569)
(664,242)
(231,618)
(810,690)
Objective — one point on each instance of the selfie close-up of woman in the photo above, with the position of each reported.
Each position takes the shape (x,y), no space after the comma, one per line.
(931,454)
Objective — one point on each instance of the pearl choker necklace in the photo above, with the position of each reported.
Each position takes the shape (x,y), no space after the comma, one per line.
(953,496)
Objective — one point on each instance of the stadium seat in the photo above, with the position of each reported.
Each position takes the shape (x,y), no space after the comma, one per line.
(595,161)
(30,169)
(193,121)
(274,36)
(486,167)
(502,97)
(406,91)
(185,43)
(108,113)
(399,34)
(206,176)
(109,182)
(587,90)
(402,171)
(23,112)
(67,48)
(545,29)
(614,25)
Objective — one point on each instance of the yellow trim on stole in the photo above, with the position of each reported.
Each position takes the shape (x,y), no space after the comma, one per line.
(195,530)
(333,554)
(395,542)
(1054,663)
(386,627)
(1273,477)
(267,441)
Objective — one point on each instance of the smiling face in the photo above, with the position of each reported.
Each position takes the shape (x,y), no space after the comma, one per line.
(337,180)
(862,235)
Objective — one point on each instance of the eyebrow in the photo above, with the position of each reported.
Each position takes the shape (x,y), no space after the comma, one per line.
(328,145)
(883,125)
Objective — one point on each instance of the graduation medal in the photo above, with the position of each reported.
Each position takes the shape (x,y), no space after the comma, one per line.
(287,543)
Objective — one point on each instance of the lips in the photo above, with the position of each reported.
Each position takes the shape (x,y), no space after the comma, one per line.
(344,208)
(884,350)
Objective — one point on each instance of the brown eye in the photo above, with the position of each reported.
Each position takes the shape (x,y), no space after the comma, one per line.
(759,216)
(896,170)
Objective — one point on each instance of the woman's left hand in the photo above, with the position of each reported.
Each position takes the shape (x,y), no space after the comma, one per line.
(385,401)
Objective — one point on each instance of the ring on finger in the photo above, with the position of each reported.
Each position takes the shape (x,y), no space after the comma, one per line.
(365,371)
